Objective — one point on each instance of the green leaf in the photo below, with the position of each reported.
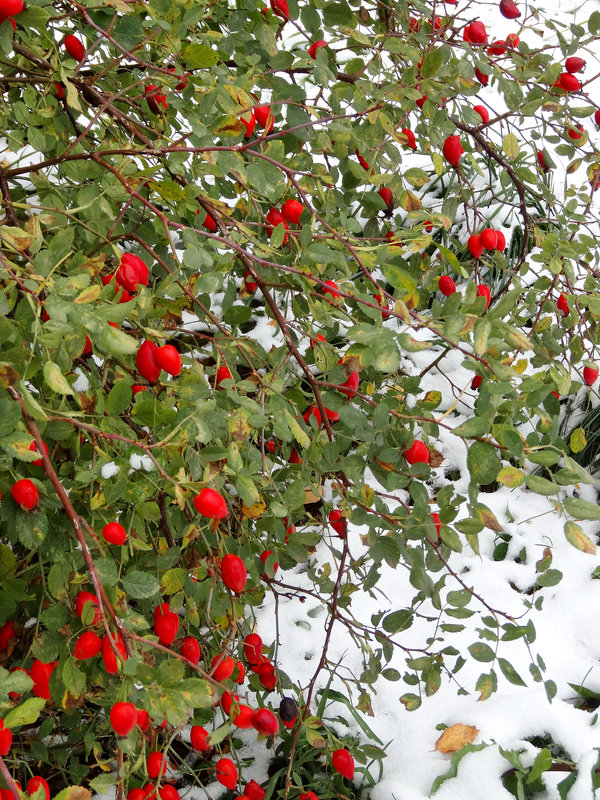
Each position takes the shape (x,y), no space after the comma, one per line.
(73,678)
(433,61)
(199,56)
(454,763)
(481,652)
(473,427)
(510,145)
(55,379)
(117,342)
(140,585)
(119,397)
(483,462)
(25,714)
(398,621)
(581,509)
(541,485)
(173,580)
(510,673)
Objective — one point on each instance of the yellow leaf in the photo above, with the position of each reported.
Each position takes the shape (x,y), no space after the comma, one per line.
(410,201)
(456,737)
(578,539)
(238,426)
(255,510)
(577,442)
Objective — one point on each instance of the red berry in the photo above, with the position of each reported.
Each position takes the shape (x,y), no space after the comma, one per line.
(132,271)
(312,49)
(482,77)
(168,359)
(497,48)
(60,90)
(168,792)
(590,375)
(155,98)
(337,522)
(109,658)
(476,382)
(574,134)
(221,667)
(114,533)
(411,141)
(223,374)
(388,198)
(488,238)
(417,453)
(10,8)
(512,40)
(156,764)
(436,521)
(254,791)
(7,633)
(242,713)
(190,649)
(40,674)
(483,113)
(145,360)
(267,676)
(446,285)
(476,33)
(264,117)
(226,773)
(312,795)
(209,223)
(88,645)
(500,241)
(233,573)
(80,601)
(364,164)
(483,291)
(264,556)
(331,288)
(250,284)
(265,722)
(542,161)
(166,627)
(25,493)
(569,82)
(280,7)
(123,717)
(453,150)
(574,64)
(211,503)
(37,782)
(421,101)
(249,124)
(74,47)
(475,246)
(276,218)
(508,9)
(292,210)
(295,457)
(253,646)
(5,739)
(198,739)
(142,719)
(343,763)
(33,448)
(350,385)
(136,794)
(562,305)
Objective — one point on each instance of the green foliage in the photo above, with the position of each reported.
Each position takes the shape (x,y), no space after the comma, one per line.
(142,149)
